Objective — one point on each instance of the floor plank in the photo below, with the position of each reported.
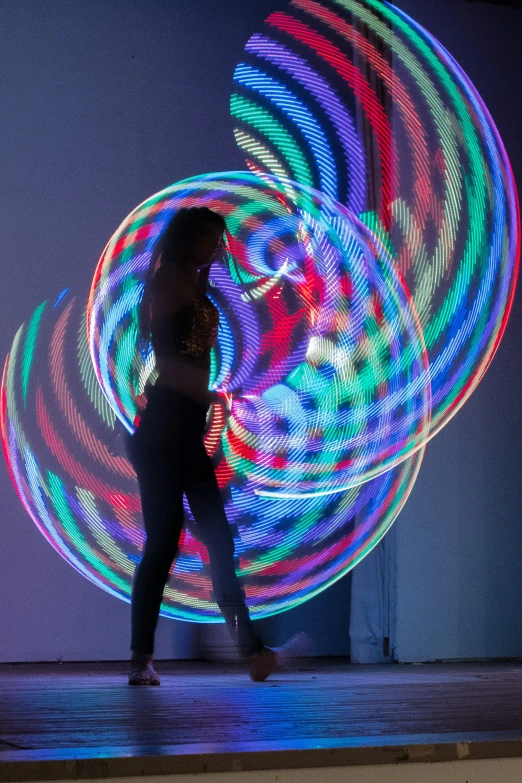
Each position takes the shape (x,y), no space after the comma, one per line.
(52,711)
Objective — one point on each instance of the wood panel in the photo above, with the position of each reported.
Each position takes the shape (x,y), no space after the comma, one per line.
(84,711)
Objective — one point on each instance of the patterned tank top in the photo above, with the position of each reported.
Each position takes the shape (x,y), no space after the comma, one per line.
(189,333)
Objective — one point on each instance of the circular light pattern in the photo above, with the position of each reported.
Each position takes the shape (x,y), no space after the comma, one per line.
(356,99)
(60,438)
(312,346)
(349,334)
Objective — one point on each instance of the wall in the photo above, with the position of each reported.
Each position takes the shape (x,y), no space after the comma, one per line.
(460,533)
(104,104)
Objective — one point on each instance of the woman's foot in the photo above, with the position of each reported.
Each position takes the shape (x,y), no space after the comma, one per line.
(268,660)
(262,664)
(142,671)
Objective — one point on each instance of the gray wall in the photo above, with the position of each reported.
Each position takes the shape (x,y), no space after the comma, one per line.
(460,533)
(104,103)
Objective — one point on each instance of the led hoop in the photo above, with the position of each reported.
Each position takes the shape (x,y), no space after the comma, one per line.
(356,99)
(333,366)
(313,347)
(71,474)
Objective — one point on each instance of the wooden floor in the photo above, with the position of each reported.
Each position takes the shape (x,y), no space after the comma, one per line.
(82,720)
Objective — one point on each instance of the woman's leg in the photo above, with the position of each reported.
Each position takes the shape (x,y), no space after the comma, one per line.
(205,501)
(159,475)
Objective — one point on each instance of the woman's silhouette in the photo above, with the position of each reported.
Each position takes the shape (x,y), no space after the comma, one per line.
(167,449)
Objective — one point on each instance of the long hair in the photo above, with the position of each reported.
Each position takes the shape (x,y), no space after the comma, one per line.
(174,244)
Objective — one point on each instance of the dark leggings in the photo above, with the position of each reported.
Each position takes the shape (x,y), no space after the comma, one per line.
(170,459)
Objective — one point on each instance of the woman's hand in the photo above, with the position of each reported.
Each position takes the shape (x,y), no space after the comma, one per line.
(221,398)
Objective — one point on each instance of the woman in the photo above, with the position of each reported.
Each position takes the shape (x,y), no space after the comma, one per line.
(167,449)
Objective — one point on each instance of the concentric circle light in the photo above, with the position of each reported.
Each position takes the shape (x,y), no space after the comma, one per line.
(374,255)
(356,99)
(319,344)
(68,465)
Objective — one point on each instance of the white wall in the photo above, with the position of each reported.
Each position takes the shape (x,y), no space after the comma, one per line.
(483,771)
